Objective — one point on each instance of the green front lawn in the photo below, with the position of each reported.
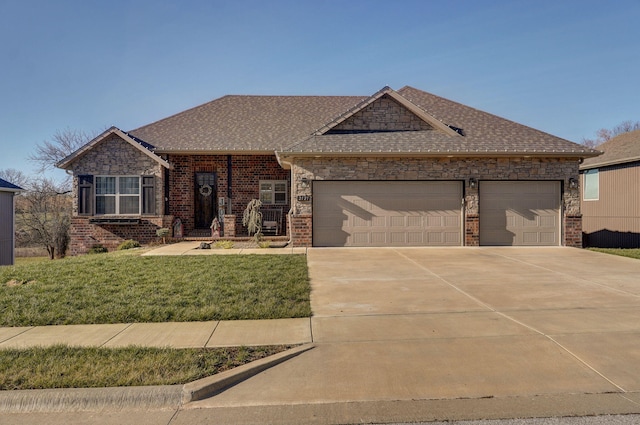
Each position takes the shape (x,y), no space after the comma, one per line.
(124,287)
(71,367)
(626,252)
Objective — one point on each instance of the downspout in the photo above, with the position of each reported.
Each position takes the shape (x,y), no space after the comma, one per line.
(286,164)
(229,178)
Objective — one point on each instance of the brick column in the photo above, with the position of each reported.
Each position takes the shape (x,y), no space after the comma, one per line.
(302,230)
(472,230)
(229,226)
(573,231)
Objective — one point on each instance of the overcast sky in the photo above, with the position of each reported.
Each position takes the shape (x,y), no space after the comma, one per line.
(565,67)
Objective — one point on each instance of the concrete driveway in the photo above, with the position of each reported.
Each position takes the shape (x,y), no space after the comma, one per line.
(504,331)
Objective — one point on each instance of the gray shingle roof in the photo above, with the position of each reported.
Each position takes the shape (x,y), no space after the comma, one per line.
(291,124)
(619,150)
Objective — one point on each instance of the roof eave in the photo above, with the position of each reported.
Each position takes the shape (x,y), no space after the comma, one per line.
(213,152)
(426,153)
(609,163)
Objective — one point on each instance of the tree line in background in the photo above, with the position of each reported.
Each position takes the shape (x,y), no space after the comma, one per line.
(605,134)
(43,210)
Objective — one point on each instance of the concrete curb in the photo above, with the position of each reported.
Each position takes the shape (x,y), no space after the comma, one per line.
(207,387)
(135,398)
(91,399)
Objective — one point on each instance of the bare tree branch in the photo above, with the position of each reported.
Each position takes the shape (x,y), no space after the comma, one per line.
(605,134)
(16,177)
(62,144)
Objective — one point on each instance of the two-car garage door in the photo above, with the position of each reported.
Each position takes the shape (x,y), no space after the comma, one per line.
(429,213)
(387,213)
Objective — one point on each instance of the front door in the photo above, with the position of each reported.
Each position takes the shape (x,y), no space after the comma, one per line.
(205,199)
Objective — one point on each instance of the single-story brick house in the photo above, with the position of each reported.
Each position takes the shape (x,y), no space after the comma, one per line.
(7,222)
(397,168)
(611,194)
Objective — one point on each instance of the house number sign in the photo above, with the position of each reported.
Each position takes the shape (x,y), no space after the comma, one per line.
(304,198)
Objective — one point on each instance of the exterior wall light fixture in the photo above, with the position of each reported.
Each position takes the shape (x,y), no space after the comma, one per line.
(473,183)
(573,183)
(304,181)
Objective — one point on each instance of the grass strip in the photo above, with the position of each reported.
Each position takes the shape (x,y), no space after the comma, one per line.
(124,288)
(61,366)
(624,252)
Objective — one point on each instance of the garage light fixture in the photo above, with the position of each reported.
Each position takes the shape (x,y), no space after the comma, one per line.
(473,183)
(304,181)
(573,183)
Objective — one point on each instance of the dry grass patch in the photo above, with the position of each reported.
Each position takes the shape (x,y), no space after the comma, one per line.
(62,366)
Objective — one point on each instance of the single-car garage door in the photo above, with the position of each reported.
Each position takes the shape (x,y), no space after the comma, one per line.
(520,213)
(387,213)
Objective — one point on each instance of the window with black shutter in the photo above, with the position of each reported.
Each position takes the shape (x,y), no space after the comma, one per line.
(148,195)
(85,195)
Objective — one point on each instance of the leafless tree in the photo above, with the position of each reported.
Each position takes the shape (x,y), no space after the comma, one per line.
(44,216)
(14,176)
(605,134)
(62,144)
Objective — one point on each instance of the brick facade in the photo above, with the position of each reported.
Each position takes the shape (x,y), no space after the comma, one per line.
(116,157)
(85,235)
(301,226)
(462,169)
(573,231)
(246,173)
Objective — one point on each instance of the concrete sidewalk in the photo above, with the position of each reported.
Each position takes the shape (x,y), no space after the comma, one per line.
(192,248)
(176,335)
(408,335)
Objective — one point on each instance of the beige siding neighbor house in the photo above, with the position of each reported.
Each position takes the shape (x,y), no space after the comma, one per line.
(397,168)
(7,222)
(611,194)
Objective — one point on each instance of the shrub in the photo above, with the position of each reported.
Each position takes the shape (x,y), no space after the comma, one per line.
(98,249)
(223,244)
(128,244)
(252,219)
(163,233)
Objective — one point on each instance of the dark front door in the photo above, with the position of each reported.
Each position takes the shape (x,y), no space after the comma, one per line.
(205,199)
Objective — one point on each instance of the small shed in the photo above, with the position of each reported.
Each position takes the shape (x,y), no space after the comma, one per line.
(7,222)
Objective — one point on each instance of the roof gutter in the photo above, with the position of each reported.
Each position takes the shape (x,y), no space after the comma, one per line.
(286,157)
(609,163)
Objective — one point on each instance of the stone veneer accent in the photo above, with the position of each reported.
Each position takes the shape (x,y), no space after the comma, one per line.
(401,168)
(113,156)
(384,114)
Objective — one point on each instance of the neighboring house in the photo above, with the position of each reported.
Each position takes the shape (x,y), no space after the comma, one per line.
(7,222)
(398,168)
(611,194)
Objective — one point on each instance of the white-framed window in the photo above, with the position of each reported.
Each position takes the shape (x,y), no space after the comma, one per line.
(591,185)
(273,192)
(117,195)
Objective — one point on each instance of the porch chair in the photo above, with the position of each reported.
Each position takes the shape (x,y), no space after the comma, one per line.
(271,221)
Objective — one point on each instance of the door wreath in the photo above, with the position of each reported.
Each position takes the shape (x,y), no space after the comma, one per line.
(205,190)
